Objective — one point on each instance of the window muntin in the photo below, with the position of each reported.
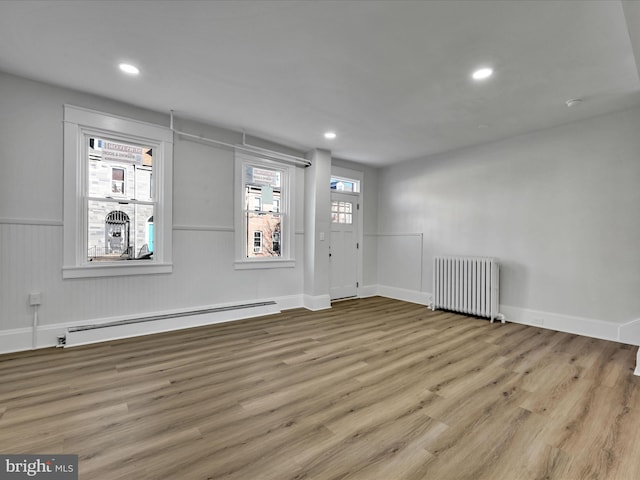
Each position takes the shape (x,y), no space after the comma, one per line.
(342,212)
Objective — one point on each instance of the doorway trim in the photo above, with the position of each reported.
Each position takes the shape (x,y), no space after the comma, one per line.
(355,175)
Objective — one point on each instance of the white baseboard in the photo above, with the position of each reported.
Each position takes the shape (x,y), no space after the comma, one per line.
(413,296)
(21,339)
(588,327)
(627,333)
(368,291)
(17,340)
(630,332)
(318,302)
(290,302)
(84,337)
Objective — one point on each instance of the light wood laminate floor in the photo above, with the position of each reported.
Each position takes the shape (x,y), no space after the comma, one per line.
(372,389)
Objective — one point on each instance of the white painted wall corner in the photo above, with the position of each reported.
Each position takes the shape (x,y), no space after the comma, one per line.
(421,298)
(317,302)
(368,291)
(630,332)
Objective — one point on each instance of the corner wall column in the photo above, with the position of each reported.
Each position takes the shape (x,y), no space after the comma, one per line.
(317,230)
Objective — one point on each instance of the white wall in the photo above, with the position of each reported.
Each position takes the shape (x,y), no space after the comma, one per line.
(31,222)
(558,207)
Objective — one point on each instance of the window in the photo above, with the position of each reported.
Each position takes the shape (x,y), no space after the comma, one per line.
(345,185)
(118,211)
(257,242)
(262,187)
(117,181)
(342,212)
(255,200)
(264,230)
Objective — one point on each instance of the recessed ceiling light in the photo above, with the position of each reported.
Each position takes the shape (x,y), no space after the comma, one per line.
(573,102)
(130,69)
(482,73)
(330,135)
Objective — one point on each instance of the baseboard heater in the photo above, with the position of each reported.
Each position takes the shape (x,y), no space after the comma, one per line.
(131,327)
(469,285)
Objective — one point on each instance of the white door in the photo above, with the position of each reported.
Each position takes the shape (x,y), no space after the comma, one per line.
(344,245)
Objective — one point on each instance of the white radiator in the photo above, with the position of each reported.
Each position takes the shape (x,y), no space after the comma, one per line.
(467,285)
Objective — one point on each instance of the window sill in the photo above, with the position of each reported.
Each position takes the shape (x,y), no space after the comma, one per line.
(258,264)
(115,270)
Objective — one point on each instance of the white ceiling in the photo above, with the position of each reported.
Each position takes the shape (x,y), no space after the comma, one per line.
(392,78)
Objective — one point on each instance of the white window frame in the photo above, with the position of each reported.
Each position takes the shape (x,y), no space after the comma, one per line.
(79,124)
(287,234)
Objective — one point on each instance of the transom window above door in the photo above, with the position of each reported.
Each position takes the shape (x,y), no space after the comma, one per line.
(346,185)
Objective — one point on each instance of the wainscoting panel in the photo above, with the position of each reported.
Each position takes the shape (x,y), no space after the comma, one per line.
(203,275)
(30,261)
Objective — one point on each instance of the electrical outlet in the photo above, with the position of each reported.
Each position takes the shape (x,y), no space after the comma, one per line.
(35,298)
(537,321)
